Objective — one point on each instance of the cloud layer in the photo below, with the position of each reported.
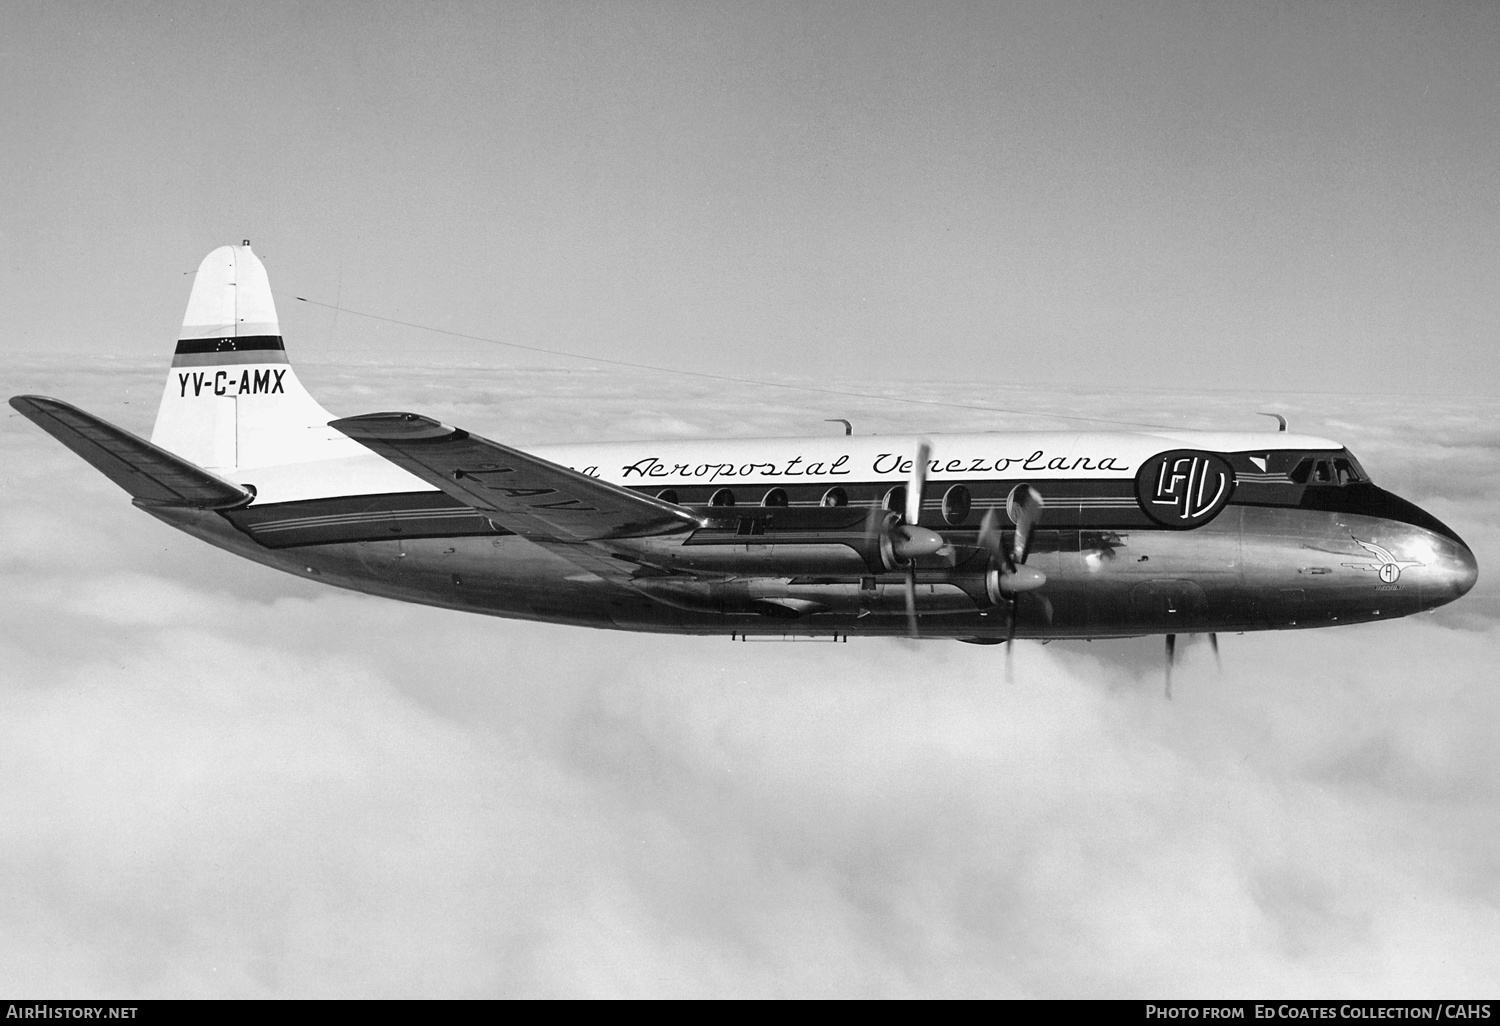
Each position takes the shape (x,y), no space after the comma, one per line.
(220,780)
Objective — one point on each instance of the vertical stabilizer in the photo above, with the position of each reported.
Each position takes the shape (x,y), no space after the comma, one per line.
(232,400)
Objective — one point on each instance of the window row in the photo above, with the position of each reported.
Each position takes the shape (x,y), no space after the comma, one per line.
(956,505)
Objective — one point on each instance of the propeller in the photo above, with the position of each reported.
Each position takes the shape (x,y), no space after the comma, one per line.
(1009,575)
(910,538)
(902,539)
(1171,656)
(1024,506)
(1213,643)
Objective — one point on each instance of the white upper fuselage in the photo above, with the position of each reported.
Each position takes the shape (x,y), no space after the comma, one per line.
(766,462)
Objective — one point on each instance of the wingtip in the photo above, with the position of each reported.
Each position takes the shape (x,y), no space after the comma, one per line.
(30,404)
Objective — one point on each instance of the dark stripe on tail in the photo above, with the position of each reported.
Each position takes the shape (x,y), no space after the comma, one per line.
(242,344)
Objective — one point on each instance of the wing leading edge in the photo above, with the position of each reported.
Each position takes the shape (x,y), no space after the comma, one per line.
(532,497)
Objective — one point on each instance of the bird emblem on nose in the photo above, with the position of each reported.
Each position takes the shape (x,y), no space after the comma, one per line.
(1389,568)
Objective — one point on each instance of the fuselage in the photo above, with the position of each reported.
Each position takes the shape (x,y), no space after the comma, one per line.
(1141,533)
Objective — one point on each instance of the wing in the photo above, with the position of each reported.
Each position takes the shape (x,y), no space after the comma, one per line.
(532,497)
(148,472)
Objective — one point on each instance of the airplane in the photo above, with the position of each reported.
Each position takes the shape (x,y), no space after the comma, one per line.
(981,538)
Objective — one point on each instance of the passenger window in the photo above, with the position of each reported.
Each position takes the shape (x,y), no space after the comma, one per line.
(722,497)
(956,504)
(835,496)
(775,497)
(895,499)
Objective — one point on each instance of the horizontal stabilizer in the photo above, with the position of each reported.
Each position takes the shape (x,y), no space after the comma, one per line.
(522,493)
(148,472)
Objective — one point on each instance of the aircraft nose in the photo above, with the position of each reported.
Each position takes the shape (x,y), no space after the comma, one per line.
(1452,570)
(1463,569)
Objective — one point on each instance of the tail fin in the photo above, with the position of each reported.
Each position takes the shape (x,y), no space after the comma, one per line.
(232,400)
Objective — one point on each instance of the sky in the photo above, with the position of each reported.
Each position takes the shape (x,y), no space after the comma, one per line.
(1203,196)
(220,780)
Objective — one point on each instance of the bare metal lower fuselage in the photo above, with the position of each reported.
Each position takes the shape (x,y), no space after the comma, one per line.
(1252,568)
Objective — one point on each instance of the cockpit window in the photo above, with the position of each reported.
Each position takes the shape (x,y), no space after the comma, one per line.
(1340,469)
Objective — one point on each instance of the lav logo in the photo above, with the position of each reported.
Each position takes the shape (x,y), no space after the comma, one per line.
(1184,488)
